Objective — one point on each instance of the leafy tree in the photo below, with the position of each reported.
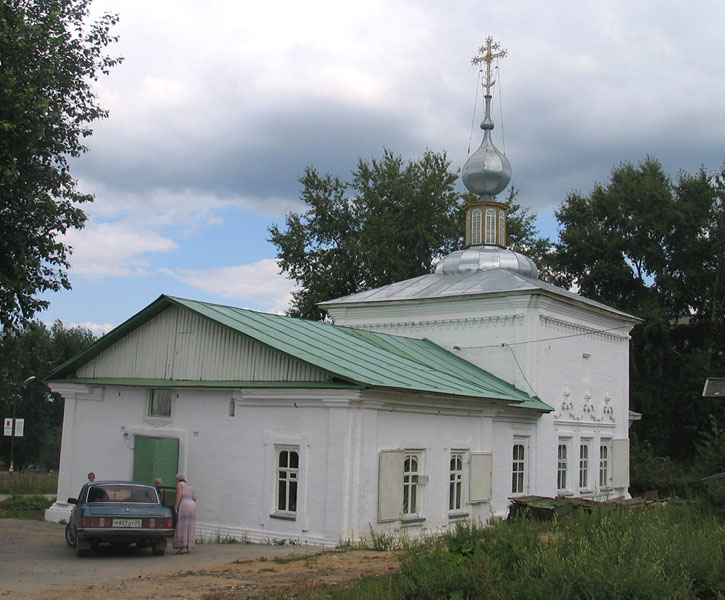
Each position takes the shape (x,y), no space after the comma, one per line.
(523,236)
(49,57)
(389,223)
(654,248)
(34,350)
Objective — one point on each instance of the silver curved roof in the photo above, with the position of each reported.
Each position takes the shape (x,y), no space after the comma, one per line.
(479,283)
(483,258)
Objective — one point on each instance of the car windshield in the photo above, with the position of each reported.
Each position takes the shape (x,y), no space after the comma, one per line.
(119,492)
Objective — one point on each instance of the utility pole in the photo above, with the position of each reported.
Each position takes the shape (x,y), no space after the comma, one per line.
(12,435)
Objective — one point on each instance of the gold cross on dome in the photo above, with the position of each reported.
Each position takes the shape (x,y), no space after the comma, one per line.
(486,54)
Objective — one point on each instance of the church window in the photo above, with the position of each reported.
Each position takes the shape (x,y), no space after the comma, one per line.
(476,226)
(288,465)
(411,476)
(400,485)
(501,228)
(604,466)
(159,403)
(468,227)
(562,467)
(584,465)
(518,478)
(455,484)
(490,225)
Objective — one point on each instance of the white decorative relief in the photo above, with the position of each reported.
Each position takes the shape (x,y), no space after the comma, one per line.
(587,409)
(565,408)
(607,410)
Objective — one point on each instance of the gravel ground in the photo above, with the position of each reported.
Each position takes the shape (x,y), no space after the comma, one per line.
(36,563)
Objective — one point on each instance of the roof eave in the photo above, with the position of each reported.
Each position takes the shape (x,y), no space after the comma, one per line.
(601,308)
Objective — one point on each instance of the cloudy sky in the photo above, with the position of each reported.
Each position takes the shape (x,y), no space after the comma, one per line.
(219,106)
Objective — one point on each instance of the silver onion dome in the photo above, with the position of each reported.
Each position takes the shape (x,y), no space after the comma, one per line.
(487,171)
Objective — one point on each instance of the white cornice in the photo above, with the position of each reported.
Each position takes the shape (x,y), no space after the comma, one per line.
(612,335)
(77,391)
(466,322)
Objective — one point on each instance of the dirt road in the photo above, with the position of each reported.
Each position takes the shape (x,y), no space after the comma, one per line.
(36,564)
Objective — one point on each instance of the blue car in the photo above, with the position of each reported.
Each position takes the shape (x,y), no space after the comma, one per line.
(120,513)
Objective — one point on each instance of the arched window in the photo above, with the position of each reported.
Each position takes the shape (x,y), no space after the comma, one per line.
(490,225)
(410,484)
(468,228)
(476,227)
(501,228)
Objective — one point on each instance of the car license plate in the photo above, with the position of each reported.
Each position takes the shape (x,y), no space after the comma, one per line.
(126,523)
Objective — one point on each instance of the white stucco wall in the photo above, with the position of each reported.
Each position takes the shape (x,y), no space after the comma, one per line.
(230,460)
(552,348)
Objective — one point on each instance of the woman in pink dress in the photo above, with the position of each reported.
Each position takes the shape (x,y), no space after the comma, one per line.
(185,532)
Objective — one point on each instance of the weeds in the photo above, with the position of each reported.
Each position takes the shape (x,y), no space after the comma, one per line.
(24,507)
(29,483)
(664,553)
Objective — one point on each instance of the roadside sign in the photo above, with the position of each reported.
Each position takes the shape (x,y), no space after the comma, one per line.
(19,427)
(8,427)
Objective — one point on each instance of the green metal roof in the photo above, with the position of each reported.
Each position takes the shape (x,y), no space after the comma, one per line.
(352,357)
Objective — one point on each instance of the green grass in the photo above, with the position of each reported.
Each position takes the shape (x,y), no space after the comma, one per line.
(663,553)
(29,483)
(24,507)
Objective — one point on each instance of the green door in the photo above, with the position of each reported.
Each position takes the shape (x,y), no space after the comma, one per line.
(155,457)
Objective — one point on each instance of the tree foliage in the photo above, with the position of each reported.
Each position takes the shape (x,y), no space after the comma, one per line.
(49,57)
(389,223)
(34,350)
(654,248)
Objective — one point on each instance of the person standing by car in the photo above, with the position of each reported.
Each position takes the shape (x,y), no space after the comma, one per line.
(185,532)
(159,485)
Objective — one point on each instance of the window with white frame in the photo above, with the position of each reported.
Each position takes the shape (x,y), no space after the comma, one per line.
(604,465)
(490,225)
(501,228)
(476,215)
(287,478)
(455,483)
(584,465)
(518,471)
(411,475)
(159,405)
(562,467)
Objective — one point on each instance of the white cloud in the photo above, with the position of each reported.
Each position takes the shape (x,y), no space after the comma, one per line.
(98,329)
(258,283)
(114,249)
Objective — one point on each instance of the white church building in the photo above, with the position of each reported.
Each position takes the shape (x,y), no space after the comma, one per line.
(427,402)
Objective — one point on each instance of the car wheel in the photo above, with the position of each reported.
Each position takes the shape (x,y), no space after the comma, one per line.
(83,546)
(159,548)
(70,536)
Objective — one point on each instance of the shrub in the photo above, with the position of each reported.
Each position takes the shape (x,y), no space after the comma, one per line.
(24,507)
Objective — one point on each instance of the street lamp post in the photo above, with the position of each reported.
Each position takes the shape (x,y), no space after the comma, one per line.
(12,433)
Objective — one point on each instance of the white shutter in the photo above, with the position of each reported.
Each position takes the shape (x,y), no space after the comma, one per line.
(620,463)
(480,477)
(390,485)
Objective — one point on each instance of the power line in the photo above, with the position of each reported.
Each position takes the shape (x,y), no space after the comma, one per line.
(559,337)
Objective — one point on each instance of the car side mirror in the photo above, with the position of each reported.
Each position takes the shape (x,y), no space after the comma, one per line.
(72,500)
